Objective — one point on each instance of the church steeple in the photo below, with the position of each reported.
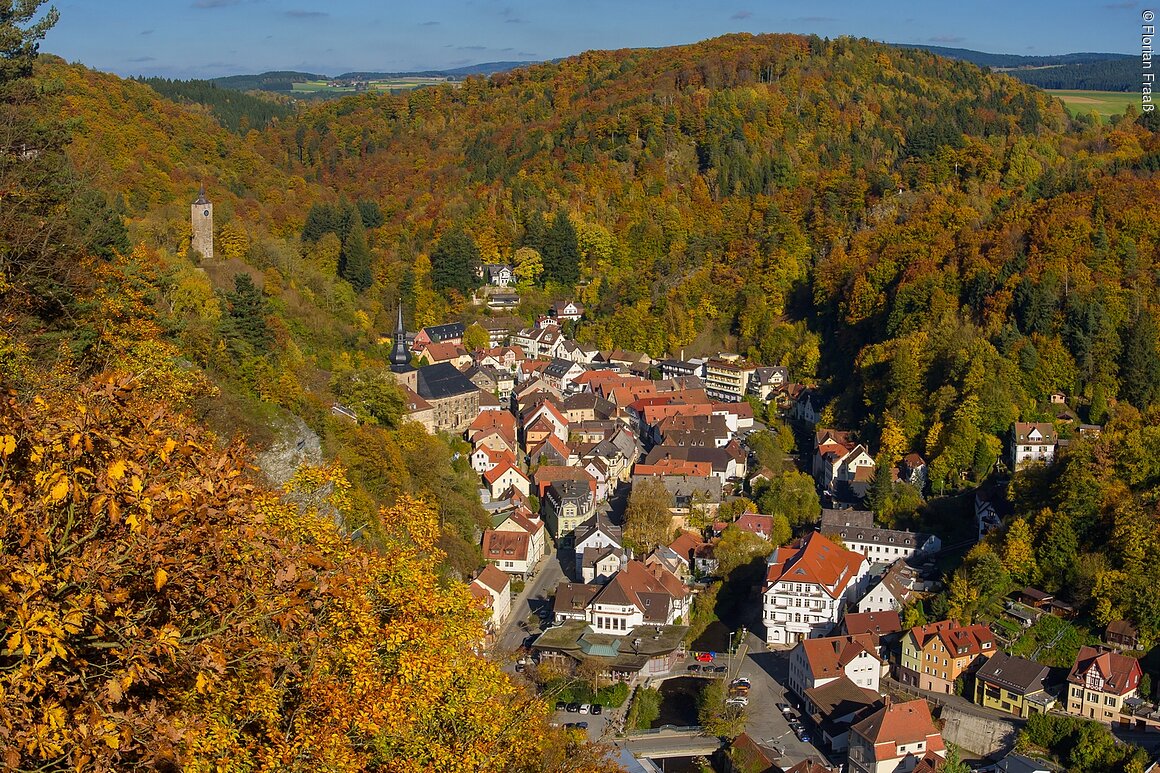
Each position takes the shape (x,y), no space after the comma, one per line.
(400,357)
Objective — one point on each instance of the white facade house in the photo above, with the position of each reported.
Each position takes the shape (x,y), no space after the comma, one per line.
(1032,442)
(807,587)
(638,595)
(496,584)
(503,477)
(595,533)
(816,662)
(881,546)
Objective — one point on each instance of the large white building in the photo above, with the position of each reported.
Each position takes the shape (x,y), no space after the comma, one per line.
(881,546)
(817,662)
(808,586)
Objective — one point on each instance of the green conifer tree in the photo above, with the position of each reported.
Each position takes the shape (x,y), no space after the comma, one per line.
(248,311)
(355,261)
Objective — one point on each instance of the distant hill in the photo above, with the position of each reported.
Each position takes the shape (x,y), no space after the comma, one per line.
(282,81)
(275,80)
(484,68)
(1085,70)
(236,110)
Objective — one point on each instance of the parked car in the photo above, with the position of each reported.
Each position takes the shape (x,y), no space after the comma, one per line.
(802,734)
(785,709)
(561,706)
(596,709)
(737,700)
(573,708)
(694,668)
(741,682)
(582,725)
(720,669)
(584,707)
(704,657)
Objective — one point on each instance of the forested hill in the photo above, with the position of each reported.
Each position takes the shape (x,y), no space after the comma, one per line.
(1094,71)
(862,213)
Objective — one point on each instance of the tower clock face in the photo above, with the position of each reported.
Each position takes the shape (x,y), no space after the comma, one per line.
(205,213)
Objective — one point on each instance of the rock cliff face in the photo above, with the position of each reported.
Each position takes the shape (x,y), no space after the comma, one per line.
(295,444)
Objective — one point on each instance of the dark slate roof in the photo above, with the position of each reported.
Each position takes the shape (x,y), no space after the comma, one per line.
(557,368)
(1018,675)
(444,332)
(437,382)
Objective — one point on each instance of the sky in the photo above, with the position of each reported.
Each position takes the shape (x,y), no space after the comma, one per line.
(210,38)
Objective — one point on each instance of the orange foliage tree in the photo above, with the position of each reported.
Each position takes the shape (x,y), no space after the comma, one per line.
(160,609)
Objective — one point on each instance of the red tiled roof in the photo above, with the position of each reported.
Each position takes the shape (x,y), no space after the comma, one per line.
(827,657)
(972,639)
(755,523)
(493,578)
(899,724)
(443,351)
(1121,674)
(412,400)
(495,473)
(505,545)
(685,543)
(877,623)
(816,560)
(674,467)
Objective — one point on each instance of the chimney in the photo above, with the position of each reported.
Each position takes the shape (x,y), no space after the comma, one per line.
(886,700)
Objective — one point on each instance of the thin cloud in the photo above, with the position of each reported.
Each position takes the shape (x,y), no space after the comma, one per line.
(429,24)
(1120,6)
(140,59)
(215,3)
(146,32)
(742,15)
(471,48)
(307,14)
(946,39)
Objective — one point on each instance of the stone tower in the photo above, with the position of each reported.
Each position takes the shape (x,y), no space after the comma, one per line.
(201,222)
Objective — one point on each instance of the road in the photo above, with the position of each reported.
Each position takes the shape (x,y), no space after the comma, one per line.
(768,672)
(533,598)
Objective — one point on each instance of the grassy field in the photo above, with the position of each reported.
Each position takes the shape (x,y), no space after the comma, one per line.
(1106,103)
(314,87)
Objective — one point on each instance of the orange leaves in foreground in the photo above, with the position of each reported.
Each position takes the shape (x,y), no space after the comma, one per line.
(160,610)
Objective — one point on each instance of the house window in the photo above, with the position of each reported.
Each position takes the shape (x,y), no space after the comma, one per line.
(1109,700)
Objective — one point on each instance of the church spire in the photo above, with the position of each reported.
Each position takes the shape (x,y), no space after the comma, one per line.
(400,357)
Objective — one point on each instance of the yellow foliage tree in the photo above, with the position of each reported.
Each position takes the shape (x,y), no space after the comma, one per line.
(161,610)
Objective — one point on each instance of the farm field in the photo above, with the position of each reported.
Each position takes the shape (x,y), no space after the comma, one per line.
(391,84)
(1106,103)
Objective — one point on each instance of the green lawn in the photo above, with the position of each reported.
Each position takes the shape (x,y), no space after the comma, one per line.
(1105,103)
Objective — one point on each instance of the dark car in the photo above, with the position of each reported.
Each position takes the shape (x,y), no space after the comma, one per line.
(802,734)
(582,725)
(573,708)
(596,709)
(720,669)
(561,706)
(694,668)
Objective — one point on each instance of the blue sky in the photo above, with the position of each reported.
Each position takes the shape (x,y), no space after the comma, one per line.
(207,38)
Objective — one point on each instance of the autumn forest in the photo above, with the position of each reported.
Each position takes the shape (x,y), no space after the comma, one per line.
(936,248)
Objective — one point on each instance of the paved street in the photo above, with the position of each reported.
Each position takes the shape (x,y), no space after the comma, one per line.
(768,673)
(531,599)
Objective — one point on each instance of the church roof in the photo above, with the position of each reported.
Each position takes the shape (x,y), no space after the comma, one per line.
(442,380)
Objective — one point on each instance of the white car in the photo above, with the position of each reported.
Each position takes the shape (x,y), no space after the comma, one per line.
(584,708)
(739,700)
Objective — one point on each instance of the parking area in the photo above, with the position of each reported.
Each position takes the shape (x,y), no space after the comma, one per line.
(596,726)
(768,672)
